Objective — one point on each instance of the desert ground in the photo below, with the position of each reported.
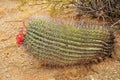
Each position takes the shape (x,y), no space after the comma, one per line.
(17,64)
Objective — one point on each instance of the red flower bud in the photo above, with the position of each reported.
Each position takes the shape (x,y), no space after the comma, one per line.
(19,38)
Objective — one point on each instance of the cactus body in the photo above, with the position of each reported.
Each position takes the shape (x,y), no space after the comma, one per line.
(66,44)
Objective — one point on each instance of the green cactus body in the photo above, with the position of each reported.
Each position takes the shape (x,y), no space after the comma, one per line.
(66,44)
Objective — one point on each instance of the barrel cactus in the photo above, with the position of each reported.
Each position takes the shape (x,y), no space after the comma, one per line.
(67,44)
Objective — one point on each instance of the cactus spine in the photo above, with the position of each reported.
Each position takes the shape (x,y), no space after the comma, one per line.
(66,44)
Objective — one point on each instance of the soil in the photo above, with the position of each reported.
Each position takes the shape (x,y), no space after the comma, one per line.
(17,64)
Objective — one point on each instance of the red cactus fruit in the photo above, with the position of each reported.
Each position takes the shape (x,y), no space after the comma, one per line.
(20,36)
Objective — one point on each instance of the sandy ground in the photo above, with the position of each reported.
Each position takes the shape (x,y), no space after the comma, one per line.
(17,64)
